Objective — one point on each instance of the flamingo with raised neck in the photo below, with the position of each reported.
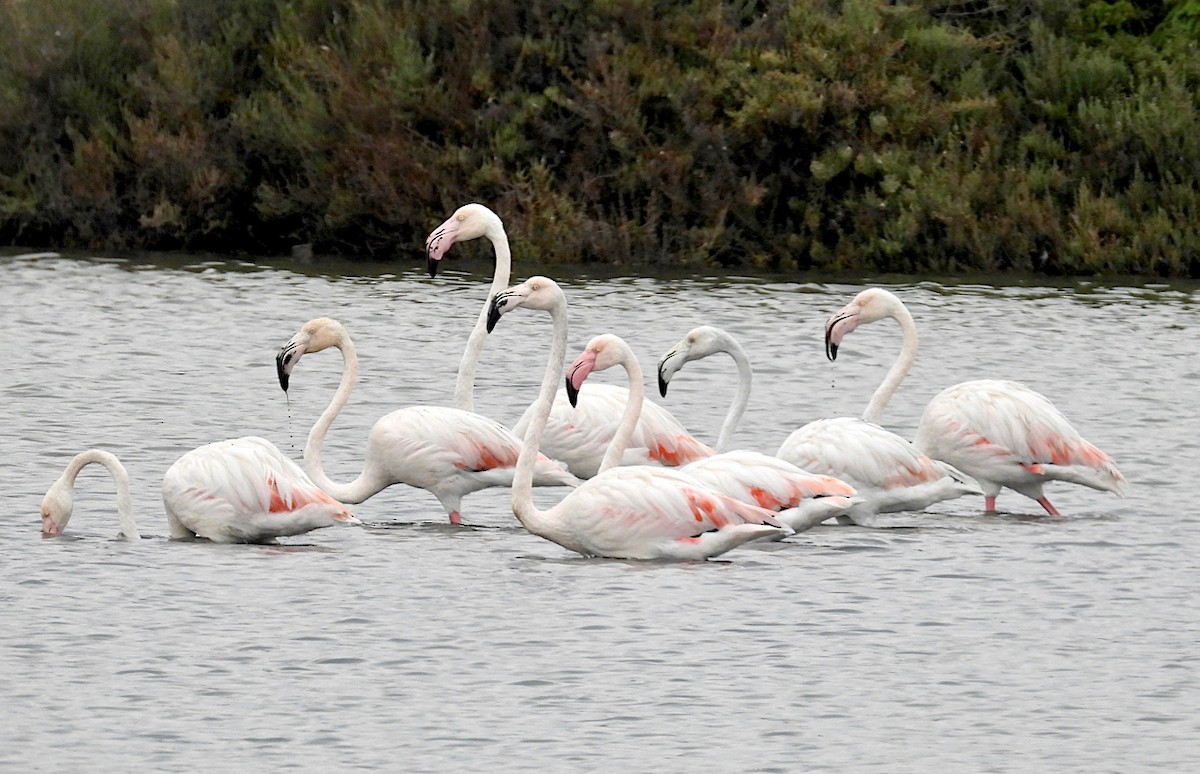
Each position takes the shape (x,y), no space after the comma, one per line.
(446,451)
(1000,432)
(578,437)
(639,512)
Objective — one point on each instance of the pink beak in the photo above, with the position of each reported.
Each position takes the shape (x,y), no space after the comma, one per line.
(838,326)
(579,371)
(438,242)
(49,527)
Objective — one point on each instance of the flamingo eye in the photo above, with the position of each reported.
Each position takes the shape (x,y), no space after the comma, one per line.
(535,286)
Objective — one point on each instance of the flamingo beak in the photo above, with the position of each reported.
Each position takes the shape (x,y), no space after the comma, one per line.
(497,309)
(837,327)
(49,526)
(579,371)
(665,372)
(438,243)
(288,356)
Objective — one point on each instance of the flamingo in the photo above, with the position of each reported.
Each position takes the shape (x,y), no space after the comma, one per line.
(637,512)
(802,499)
(446,451)
(237,491)
(575,436)
(888,471)
(1000,432)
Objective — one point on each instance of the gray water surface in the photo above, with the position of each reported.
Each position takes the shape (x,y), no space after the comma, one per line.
(951,641)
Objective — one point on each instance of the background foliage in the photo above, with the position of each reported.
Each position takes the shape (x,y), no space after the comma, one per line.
(929,135)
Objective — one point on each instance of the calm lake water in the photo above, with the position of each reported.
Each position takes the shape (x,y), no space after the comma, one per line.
(951,642)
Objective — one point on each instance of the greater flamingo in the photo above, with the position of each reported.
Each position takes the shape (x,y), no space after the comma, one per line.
(803,499)
(237,491)
(575,436)
(1000,432)
(447,451)
(888,471)
(639,512)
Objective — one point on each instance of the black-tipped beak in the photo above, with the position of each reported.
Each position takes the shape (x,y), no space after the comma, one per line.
(432,265)
(572,393)
(662,385)
(831,347)
(494,312)
(285,361)
(281,372)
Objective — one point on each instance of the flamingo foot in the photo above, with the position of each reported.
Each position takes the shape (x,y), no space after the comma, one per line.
(1050,509)
(455,517)
(989,505)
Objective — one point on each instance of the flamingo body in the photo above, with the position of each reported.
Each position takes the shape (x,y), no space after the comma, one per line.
(801,499)
(578,436)
(1007,435)
(886,471)
(244,491)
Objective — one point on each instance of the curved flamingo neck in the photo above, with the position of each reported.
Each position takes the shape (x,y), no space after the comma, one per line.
(900,368)
(741,397)
(464,388)
(360,488)
(633,410)
(522,488)
(120,478)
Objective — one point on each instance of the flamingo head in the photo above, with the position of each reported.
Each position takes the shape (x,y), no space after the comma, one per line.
(871,305)
(56,508)
(313,336)
(603,351)
(469,221)
(699,343)
(540,293)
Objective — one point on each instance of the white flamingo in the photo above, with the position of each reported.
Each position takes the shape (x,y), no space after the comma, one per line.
(447,451)
(238,491)
(888,471)
(1001,432)
(640,512)
(803,499)
(578,437)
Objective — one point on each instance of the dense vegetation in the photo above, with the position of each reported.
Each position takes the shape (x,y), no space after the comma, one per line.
(927,135)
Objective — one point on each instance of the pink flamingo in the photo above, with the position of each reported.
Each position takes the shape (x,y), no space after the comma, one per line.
(889,472)
(639,512)
(1000,432)
(575,436)
(803,499)
(447,451)
(238,491)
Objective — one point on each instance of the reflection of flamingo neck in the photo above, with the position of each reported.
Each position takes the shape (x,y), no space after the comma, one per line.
(740,398)
(360,488)
(522,488)
(120,477)
(904,361)
(464,388)
(633,410)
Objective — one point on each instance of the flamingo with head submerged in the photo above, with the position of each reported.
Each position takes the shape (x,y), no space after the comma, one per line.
(636,512)
(576,436)
(238,491)
(1000,432)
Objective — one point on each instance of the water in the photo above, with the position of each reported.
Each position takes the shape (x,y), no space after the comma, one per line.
(955,641)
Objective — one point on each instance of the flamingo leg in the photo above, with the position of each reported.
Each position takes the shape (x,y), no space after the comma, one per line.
(1050,509)
(455,517)
(989,504)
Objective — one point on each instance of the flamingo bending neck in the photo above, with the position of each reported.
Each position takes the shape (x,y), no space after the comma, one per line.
(65,486)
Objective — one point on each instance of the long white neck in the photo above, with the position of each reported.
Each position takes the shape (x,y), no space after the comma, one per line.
(362,487)
(522,488)
(120,477)
(629,417)
(900,368)
(740,398)
(464,388)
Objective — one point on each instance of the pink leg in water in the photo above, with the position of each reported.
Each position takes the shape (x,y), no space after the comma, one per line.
(989,505)
(1050,509)
(455,517)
